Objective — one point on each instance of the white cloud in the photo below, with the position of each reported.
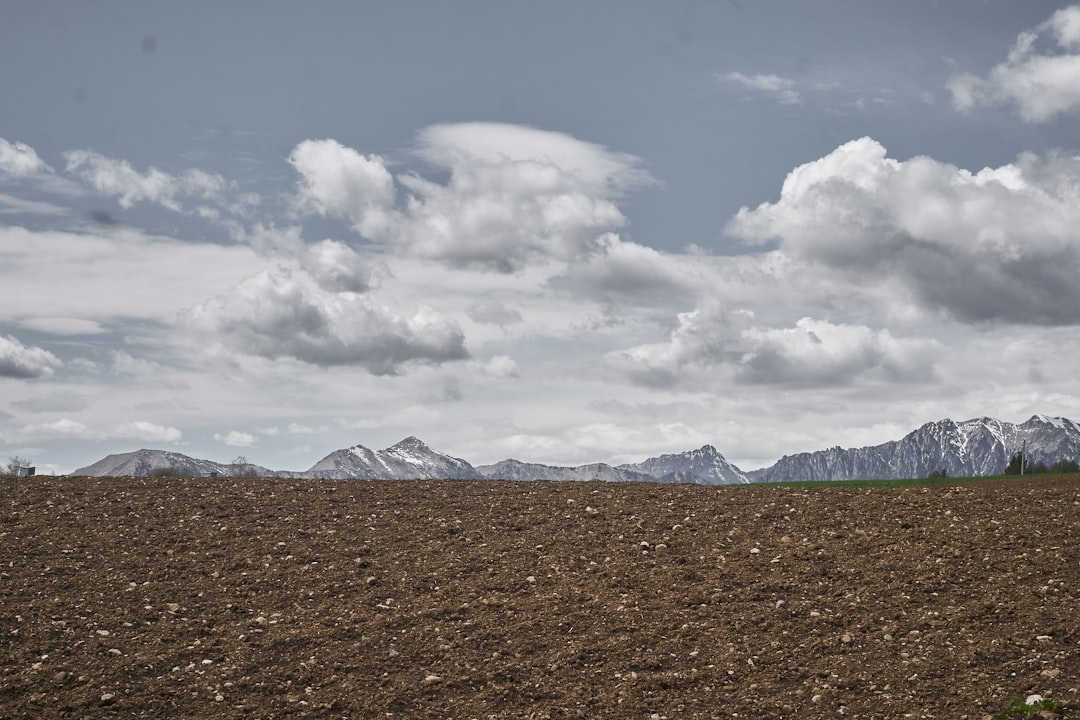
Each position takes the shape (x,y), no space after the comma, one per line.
(147,431)
(514,194)
(336,267)
(20,160)
(1000,245)
(712,346)
(284,313)
(25,361)
(68,428)
(116,177)
(780,88)
(337,180)
(1042,85)
(816,352)
(64,427)
(583,165)
(113,177)
(235,438)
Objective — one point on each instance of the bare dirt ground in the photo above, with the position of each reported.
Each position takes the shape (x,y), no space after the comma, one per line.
(223,598)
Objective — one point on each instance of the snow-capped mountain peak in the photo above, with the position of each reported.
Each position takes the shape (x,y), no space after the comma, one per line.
(408,459)
(410,443)
(704,466)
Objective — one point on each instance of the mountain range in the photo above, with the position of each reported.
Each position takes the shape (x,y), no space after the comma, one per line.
(978,447)
(971,448)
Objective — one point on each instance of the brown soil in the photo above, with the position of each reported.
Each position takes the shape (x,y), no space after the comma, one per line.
(458,599)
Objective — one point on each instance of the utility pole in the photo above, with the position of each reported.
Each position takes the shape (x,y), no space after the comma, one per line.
(1023,457)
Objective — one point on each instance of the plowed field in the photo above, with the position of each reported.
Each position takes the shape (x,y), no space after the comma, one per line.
(226,598)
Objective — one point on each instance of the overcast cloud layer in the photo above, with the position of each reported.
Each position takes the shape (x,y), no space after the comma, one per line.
(782,256)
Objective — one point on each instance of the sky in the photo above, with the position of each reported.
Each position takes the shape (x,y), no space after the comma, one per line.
(561,232)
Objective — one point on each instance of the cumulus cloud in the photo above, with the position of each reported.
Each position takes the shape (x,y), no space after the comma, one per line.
(284,313)
(25,361)
(780,88)
(20,160)
(1041,83)
(114,177)
(812,353)
(816,352)
(337,180)
(235,438)
(513,194)
(998,245)
(336,267)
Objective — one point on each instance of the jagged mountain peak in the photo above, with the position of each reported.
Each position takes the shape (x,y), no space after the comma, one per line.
(408,459)
(1060,423)
(705,466)
(410,443)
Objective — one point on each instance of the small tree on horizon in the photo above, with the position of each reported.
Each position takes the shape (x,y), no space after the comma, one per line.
(240,467)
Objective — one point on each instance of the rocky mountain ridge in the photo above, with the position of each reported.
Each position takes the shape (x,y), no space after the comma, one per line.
(409,459)
(982,446)
(972,448)
(165,462)
(412,459)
